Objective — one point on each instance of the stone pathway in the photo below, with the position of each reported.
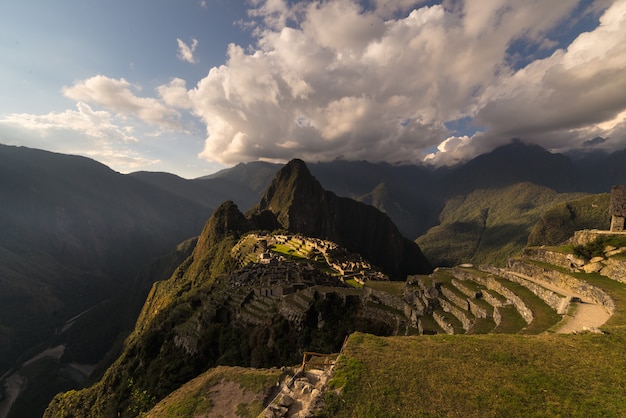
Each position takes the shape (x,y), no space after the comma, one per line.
(588,315)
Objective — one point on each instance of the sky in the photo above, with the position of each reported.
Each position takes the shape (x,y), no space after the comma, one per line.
(193,86)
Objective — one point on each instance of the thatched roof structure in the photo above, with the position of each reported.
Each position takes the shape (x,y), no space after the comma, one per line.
(618,201)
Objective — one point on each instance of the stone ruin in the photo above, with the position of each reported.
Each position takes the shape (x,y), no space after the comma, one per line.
(617,208)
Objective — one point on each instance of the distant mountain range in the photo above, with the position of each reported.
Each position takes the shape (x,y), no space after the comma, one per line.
(74,234)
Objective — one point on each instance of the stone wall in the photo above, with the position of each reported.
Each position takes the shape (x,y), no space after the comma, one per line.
(565,281)
(554,300)
(384,298)
(447,306)
(491,283)
(566,261)
(587,236)
(615,269)
(497,316)
(441,321)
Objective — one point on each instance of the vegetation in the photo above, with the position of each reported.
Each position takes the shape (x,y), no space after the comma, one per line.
(487,226)
(493,375)
(560,221)
(596,248)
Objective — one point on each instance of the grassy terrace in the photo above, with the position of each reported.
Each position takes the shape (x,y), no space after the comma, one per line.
(490,375)
(544,316)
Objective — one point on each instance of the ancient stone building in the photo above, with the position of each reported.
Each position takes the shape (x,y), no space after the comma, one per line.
(617,209)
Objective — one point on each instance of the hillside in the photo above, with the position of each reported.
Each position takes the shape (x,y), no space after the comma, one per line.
(74,233)
(296,201)
(549,374)
(487,226)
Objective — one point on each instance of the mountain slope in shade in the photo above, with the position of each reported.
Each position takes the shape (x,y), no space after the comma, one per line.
(296,201)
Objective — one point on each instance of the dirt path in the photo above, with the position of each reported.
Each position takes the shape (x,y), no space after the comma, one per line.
(588,315)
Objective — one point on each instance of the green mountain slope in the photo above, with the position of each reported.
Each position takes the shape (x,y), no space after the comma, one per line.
(559,222)
(488,225)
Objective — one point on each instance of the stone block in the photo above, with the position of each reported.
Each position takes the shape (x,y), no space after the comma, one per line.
(592,267)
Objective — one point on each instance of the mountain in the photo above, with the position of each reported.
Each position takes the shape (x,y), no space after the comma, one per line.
(514,163)
(219,308)
(487,226)
(208,191)
(295,201)
(73,233)
(560,221)
(256,175)
(414,196)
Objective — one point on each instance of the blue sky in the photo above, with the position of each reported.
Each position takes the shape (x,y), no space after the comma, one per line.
(193,86)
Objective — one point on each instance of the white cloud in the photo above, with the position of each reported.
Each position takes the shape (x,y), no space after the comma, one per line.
(185,52)
(561,99)
(330,78)
(84,120)
(116,95)
(96,134)
(175,94)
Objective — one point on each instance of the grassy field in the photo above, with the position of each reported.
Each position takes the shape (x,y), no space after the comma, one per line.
(481,376)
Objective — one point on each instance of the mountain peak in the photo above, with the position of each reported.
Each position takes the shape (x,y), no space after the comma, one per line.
(295,201)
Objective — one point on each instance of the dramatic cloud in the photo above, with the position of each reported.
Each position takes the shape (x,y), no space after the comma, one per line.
(334,78)
(185,52)
(117,96)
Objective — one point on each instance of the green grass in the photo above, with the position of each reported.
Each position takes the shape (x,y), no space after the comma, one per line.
(393,288)
(288,252)
(544,316)
(511,323)
(488,225)
(482,376)
(354,283)
(194,398)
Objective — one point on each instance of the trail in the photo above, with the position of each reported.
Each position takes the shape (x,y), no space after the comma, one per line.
(588,315)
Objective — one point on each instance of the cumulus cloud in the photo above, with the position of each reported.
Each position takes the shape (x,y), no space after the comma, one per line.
(185,52)
(574,95)
(379,83)
(117,96)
